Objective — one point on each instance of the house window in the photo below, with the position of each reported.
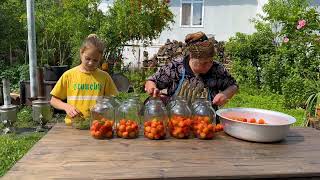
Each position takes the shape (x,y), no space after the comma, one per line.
(192,13)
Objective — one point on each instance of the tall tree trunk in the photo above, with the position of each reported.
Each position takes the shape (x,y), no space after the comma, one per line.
(10,55)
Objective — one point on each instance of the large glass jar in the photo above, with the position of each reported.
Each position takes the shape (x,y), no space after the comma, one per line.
(172,102)
(110,100)
(128,120)
(196,103)
(136,99)
(203,119)
(102,120)
(180,123)
(115,102)
(155,119)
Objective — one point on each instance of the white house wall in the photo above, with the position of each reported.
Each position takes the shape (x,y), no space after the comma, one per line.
(222,18)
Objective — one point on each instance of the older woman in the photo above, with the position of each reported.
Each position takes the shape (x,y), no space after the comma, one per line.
(195,75)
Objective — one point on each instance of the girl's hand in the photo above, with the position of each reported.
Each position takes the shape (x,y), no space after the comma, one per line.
(71,110)
(151,88)
(220,99)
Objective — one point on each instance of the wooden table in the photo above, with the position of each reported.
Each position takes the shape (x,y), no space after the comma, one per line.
(65,153)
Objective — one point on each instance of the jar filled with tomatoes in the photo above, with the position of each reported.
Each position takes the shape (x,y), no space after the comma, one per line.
(203,116)
(128,120)
(102,120)
(155,119)
(180,122)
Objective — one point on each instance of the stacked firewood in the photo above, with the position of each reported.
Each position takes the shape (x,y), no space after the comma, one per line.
(167,52)
(172,49)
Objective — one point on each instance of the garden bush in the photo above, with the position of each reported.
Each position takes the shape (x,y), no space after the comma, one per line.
(283,55)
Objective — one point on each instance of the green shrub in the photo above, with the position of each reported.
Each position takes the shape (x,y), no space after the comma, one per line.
(283,55)
(244,72)
(15,74)
(138,78)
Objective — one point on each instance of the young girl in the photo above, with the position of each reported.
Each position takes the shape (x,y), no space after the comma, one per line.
(82,85)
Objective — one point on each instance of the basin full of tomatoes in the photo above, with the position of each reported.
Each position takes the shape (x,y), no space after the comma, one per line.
(248,120)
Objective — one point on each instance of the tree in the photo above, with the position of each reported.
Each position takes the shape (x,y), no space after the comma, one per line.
(129,20)
(286,47)
(61,27)
(12,33)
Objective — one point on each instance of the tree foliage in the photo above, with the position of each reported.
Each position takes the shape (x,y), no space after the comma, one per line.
(285,49)
(134,20)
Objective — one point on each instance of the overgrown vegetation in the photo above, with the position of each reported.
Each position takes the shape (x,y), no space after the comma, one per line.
(61,26)
(283,56)
(138,78)
(133,20)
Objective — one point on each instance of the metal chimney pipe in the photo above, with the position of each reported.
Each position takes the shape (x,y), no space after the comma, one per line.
(41,92)
(6,92)
(32,48)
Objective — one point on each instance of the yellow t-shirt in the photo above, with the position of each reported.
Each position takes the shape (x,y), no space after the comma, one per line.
(82,89)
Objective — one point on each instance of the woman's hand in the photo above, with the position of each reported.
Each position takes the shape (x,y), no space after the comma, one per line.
(220,99)
(151,88)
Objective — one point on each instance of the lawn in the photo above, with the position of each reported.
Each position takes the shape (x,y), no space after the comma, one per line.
(253,98)
(15,146)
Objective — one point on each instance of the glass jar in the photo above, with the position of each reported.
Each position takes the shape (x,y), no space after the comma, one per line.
(102,120)
(136,99)
(128,120)
(81,122)
(172,101)
(203,119)
(115,102)
(155,119)
(180,122)
(110,100)
(196,103)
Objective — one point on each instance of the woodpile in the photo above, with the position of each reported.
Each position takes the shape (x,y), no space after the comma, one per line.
(167,52)
(172,49)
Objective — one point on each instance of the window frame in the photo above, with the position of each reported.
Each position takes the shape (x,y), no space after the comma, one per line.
(192,2)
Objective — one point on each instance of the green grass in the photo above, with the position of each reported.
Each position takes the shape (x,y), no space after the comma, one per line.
(14,147)
(253,98)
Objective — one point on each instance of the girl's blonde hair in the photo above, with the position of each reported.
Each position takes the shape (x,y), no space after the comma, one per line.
(92,40)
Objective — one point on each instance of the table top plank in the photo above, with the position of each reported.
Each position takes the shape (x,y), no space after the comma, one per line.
(73,154)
